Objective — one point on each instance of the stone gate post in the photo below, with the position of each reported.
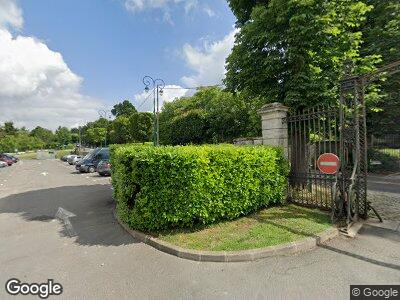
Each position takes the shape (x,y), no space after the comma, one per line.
(274,125)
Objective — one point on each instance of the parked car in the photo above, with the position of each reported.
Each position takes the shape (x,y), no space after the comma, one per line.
(86,157)
(104,168)
(6,159)
(66,157)
(90,162)
(3,164)
(13,158)
(76,159)
(72,159)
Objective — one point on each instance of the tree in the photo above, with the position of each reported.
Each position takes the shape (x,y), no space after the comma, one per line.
(9,128)
(43,134)
(63,136)
(381,34)
(295,52)
(96,135)
(210,116)
(123,109)
(120,132)
(141,127)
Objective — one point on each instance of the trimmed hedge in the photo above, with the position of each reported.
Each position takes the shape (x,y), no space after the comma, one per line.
(167,187)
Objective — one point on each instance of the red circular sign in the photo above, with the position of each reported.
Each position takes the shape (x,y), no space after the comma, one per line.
(328,163)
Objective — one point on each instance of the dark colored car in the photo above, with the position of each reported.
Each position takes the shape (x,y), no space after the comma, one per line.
(89,163)
(104,168)
(6,159)
(13,158)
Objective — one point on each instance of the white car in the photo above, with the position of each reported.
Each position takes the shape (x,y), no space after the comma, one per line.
(76,159)
(73,159)
(3,164)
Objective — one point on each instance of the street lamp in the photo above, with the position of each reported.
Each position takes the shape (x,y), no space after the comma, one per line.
(106,114)
(157,86)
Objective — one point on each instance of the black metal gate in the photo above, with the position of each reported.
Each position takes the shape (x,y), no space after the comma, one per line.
(340,130)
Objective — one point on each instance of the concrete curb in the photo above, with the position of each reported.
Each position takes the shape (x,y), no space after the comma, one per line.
(232,256)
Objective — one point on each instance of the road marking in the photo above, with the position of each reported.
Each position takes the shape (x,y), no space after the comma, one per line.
(64,215)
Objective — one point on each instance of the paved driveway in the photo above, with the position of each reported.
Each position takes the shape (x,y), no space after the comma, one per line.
(94,258)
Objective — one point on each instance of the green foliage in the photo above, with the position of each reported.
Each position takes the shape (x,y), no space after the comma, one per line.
(46,135)
(167,187)
(96,135)
(123,109)
(389,160)
(210,116)
(136,127)
(296,51)
(63,136)
(20,142)
(9,128)
(381,34)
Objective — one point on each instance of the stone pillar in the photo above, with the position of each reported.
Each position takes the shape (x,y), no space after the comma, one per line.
(274,127)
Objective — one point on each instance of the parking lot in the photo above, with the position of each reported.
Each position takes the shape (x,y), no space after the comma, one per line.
(93,257)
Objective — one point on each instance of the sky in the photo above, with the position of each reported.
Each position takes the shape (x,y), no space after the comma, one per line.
(63,61)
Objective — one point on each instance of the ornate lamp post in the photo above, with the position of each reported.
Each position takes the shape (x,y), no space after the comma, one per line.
(157,85)
(106,114)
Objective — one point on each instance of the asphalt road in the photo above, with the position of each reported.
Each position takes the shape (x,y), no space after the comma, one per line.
(384,183)
(93,258)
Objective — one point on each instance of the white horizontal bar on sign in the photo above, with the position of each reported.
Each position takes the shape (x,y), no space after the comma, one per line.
(328,163)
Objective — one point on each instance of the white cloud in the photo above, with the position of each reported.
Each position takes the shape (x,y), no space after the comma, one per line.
(167,6)
(10,14)
(208,62)
(37,88)
(144,101)
(208,10)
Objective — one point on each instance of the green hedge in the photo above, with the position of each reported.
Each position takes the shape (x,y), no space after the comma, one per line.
(169,187)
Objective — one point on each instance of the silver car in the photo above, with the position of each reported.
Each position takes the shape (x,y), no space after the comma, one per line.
(73,159)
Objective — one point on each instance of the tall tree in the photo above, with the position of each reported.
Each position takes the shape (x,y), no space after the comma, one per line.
(141,127)
(43,134)
(63,136)
(295,51)
(9,128)
(124,108)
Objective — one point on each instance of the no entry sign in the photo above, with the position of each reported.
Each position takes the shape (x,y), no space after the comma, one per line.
(328,163)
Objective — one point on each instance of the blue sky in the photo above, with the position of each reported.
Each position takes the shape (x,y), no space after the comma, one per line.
(112,47)
(62,61)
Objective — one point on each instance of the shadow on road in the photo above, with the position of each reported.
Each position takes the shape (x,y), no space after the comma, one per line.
(361,257)
(92,205)
(375,235)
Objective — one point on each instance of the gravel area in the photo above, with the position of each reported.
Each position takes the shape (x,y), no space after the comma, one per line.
(387,204)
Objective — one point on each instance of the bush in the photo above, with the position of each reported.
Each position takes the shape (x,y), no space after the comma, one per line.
(169,187)
(389,160)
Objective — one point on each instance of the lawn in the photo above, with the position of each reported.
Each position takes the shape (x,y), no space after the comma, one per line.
(268,227)
(27,155)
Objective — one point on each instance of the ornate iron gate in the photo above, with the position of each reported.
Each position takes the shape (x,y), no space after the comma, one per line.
(340,130)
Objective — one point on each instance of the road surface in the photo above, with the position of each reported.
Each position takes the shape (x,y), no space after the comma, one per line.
(93,258)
